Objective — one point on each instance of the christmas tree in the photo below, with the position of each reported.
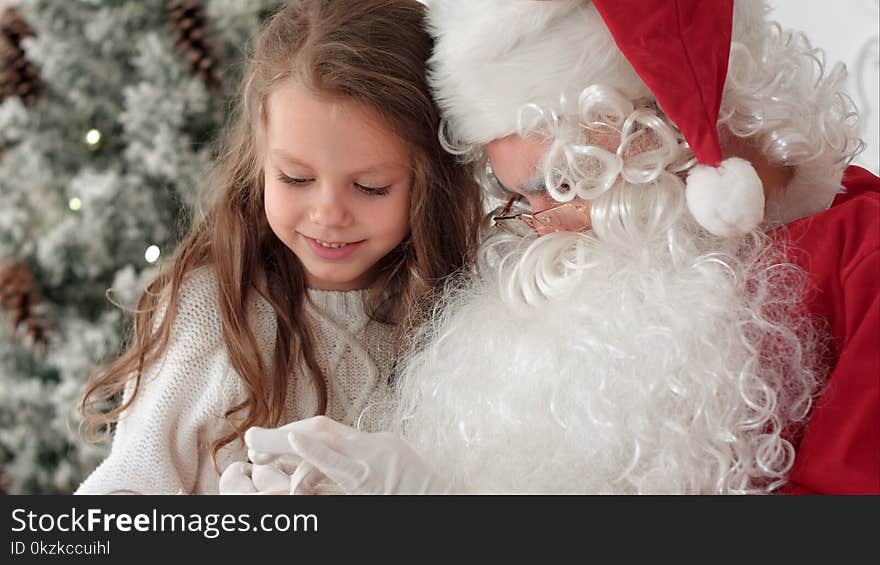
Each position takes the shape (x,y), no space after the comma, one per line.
(109,110)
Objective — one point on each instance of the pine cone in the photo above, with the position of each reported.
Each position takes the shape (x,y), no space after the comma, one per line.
(187,24)
(18,76)
(19,297)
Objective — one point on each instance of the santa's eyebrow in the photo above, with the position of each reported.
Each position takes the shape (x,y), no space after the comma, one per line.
(534,186)
(531,187)
(505,188)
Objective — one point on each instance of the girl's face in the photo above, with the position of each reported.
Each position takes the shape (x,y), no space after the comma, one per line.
(337,185)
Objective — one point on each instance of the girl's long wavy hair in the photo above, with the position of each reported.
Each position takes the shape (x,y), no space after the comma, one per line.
(369,51)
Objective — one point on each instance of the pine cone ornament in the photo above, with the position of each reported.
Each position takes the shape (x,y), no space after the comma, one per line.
(18,76)
(19,297)
(187,24)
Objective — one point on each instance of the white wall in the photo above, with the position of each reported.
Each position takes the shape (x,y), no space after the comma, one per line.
(848,31)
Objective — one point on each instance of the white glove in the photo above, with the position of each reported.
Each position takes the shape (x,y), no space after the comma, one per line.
(248,478)
(236,479)
(358,462)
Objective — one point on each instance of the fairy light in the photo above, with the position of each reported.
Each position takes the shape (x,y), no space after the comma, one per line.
(152,254)
(93,138)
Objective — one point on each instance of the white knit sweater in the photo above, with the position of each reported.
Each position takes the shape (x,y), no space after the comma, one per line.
(162,442)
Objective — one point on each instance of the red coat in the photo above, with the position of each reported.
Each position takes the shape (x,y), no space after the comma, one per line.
(839,451)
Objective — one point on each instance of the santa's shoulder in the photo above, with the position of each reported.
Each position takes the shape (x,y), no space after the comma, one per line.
(839,249)
(845,233)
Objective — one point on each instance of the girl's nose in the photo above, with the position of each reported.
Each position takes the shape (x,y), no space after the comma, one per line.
(330,208)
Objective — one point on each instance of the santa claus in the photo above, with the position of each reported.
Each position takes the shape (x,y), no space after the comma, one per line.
(681,290)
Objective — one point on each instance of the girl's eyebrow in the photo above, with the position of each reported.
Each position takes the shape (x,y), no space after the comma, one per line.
(378,167)
(287,157)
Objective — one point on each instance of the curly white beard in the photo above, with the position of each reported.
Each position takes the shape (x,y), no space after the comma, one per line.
(673,364)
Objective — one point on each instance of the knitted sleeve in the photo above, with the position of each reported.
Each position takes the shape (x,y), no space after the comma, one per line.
(156,444)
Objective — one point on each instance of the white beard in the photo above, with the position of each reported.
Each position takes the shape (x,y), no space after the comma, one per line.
(576,365)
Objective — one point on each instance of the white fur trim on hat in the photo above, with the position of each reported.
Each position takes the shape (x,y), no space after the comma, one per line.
(491,57)
(727,200)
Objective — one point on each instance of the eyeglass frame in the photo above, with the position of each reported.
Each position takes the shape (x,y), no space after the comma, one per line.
(532,220)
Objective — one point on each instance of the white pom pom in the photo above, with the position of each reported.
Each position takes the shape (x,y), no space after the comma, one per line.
(728,200)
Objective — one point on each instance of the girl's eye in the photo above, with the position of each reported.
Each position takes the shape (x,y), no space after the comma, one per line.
(293,180)
(373,190)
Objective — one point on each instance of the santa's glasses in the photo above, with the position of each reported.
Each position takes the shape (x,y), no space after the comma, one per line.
(565,217)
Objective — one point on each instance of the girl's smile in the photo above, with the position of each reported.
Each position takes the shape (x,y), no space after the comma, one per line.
(333,251)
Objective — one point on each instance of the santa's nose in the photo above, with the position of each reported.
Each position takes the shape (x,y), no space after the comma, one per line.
(540,203)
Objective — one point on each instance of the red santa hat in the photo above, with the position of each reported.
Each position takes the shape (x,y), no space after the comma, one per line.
(494,56)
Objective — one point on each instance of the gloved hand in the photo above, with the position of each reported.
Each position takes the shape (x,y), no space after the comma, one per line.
(358,462)
(249,478)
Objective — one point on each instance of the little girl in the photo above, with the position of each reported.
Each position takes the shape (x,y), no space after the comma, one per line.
(326,234)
